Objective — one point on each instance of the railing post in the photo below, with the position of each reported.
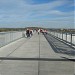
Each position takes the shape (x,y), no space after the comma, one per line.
(66,36)
(71,37)
(62,35)
(57,34)
(54,33)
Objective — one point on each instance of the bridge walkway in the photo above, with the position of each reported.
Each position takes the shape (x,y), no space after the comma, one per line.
(33,56)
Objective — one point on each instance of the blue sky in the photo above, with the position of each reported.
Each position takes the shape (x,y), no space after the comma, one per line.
(40,13)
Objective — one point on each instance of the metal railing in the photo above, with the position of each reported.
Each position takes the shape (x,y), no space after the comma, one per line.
(7,37)
(67,37)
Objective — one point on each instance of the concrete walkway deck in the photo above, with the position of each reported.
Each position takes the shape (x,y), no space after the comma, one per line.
(34,47)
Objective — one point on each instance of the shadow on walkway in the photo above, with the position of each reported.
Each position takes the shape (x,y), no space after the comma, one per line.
(36,59)
(58,46)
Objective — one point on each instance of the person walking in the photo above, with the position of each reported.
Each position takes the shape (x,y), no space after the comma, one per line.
(27,33)
(31,32)
(38,31)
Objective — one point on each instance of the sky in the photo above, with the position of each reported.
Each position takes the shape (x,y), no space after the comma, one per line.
(37,13)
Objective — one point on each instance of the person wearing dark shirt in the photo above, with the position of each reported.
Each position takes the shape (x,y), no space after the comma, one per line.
(27,33)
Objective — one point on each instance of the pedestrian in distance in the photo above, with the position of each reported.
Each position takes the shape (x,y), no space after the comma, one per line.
(38,31)
(27,33)
(31,32)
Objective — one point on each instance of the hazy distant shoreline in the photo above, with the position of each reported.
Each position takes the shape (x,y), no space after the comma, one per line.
(21,29)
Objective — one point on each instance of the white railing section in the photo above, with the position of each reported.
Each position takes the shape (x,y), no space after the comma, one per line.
(7,37)
(65,36)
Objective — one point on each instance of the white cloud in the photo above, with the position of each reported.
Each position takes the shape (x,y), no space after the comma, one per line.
(20,10)
(17,5)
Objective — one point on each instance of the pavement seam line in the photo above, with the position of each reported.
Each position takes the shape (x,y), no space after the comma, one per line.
(39,57)
(15,49)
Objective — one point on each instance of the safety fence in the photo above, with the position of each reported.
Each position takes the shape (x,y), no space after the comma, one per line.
(7,37)
(66,36)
